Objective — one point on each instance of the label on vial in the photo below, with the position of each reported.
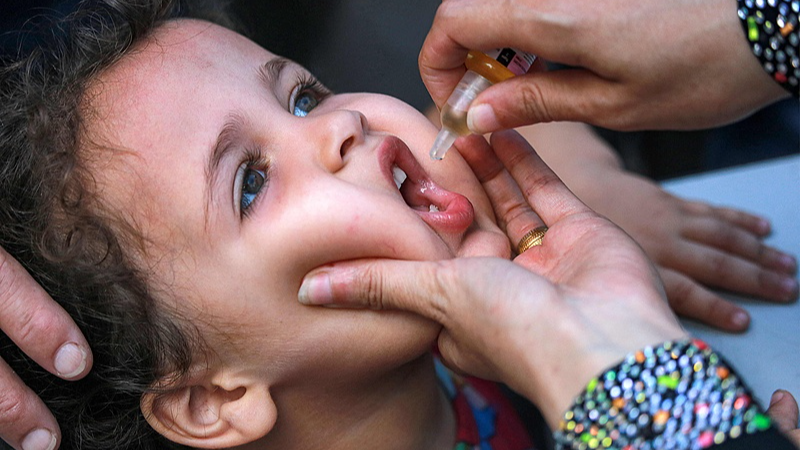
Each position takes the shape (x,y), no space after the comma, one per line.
(516,61)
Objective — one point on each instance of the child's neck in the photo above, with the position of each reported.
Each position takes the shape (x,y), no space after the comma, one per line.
(406,410)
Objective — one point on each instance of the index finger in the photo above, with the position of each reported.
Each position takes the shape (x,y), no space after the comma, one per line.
(380,284)
(545,192)
(513,212)
(38,325)
(524,192)
(460,26)
(441,63)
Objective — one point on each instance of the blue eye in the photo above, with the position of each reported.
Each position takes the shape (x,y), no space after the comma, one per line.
(307,95)
(304,103)
(251,178)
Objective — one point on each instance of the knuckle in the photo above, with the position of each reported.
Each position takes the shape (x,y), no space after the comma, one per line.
(762,252)
(714,311)
(731,215)
(719,265)
(534,106)
(612,108)
(374,282)
(766,279)
(536,184)
(24,326)
(32,326)
(728,237)
(680,294)
(696,208)
(512,213)
(28,321)
(12,411)
(445,276)
(9,284)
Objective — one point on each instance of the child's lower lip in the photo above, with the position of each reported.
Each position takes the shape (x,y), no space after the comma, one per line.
(455,212)
(443,210)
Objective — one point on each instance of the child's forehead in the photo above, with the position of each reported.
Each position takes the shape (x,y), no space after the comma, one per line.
(180,59)
(188,44)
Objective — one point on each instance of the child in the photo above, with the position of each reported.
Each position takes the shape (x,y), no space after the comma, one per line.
(171,183)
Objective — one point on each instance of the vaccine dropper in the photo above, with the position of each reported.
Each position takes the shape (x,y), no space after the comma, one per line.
(483,70)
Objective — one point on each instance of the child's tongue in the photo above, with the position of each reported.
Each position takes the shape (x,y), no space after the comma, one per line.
(441,209)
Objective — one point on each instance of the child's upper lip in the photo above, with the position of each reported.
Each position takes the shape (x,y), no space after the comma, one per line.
(393,152)
(441,209)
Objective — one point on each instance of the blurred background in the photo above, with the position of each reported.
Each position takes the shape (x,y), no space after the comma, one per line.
(364,45)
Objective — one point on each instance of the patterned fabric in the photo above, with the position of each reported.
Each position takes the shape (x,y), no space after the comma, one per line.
(771,27)
(485,418)
(679,395)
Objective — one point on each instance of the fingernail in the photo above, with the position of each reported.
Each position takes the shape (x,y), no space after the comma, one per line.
(70,360)
(788,262)
(777,396)
(763,226)
(740,319)
(316,290)
(789,287)
(481,119)
(39,439)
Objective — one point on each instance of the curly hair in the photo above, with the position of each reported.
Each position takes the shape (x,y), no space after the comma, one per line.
(82,256)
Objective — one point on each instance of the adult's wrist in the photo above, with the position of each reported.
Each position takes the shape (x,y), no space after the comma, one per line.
(745,86)
(553,388)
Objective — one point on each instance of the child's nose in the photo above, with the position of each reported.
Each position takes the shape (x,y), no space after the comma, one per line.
(339,131)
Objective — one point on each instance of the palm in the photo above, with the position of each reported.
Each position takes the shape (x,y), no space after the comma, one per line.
(587,251)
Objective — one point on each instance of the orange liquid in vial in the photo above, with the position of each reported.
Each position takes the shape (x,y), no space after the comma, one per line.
(455,120)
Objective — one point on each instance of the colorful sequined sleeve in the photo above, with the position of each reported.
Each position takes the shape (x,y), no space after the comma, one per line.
(680,395)
(771,27)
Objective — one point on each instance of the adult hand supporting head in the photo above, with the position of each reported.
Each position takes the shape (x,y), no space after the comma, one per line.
(679,65)
(545,323)
(47,334)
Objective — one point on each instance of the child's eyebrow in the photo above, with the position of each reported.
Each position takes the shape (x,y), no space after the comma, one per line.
(269,73)
(225,144)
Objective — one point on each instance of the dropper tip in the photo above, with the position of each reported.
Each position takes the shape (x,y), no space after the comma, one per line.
(444,140)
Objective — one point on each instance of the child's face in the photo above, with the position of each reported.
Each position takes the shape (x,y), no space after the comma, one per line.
(242,196)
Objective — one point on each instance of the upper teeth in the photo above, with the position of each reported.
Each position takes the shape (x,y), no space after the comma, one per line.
(399,176)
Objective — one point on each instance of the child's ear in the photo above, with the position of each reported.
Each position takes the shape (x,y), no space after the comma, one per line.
(222,412)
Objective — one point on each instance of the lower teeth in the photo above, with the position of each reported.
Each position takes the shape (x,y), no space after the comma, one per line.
(433,208)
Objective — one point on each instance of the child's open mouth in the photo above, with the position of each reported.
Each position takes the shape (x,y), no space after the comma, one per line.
(441,209)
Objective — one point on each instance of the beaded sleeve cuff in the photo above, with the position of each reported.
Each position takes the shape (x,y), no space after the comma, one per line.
(771,27)
(679,395)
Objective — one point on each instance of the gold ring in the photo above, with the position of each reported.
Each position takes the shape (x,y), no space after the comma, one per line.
(531,239)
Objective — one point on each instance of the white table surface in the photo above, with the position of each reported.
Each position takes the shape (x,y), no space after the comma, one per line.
(768,354)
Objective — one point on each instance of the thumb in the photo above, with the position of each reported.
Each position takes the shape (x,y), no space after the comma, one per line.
(422,287)
(563,95)
(783,410)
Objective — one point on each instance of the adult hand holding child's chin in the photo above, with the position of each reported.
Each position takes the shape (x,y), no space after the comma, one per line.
(545,323)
